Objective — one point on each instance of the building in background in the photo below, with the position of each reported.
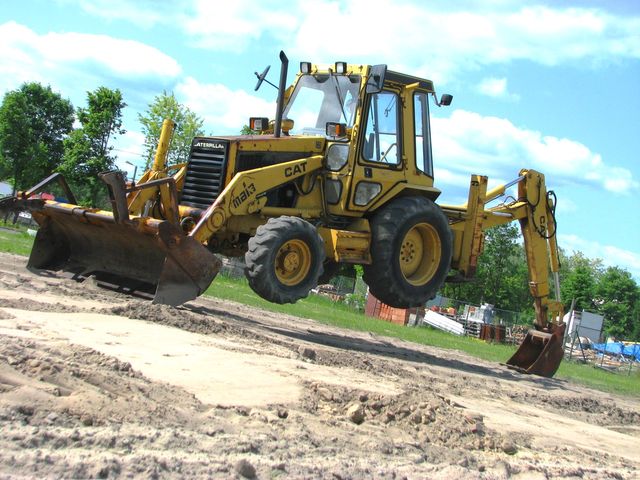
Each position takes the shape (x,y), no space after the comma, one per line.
(5,189)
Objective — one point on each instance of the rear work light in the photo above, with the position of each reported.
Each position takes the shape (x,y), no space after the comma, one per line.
(258,124)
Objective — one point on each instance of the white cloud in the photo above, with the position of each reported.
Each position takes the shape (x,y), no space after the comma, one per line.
(566,207)
(123,57)
(496,88)
(130,148)
(493,87)
(451,41)
(468,142)
(425,38)
(144,13)
(610,255)
(224,110)
(27,56)
(231,25)
(444,176)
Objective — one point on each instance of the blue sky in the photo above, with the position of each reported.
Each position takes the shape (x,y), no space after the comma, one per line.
(550,85)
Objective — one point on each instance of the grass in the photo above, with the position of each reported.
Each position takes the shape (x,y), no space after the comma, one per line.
(15,240)
(329,312)
(600,379)
(326,311)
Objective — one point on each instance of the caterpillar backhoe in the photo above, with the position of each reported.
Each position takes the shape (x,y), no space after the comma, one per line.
(344,174)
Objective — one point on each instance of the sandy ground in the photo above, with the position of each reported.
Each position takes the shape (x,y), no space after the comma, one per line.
(94,383)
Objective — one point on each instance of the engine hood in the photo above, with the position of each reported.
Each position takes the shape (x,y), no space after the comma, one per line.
(269,143)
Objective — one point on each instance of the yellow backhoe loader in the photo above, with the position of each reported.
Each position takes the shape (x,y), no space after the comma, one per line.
(344,174)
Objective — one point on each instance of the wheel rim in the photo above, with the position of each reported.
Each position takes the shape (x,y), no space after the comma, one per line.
(293,262)
(420,253)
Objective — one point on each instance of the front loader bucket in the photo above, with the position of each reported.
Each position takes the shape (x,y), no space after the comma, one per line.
(137,253)
(540,353)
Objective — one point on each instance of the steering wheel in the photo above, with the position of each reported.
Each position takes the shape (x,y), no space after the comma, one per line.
(261,77)
(383,158)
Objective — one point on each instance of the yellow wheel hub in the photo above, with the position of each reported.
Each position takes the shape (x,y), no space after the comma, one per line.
(293,262)
(420,254)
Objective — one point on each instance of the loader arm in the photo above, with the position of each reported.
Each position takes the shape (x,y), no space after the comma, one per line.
(534,208)
(139,198)
(246,193)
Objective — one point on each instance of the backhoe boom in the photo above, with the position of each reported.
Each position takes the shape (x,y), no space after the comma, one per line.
(534,209)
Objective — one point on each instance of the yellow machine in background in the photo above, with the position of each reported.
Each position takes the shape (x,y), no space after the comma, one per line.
(344,174)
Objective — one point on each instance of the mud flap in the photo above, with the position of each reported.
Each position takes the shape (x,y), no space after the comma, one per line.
(157,255)
(540,353)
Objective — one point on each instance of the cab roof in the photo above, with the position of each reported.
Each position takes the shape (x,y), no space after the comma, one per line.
(404,79)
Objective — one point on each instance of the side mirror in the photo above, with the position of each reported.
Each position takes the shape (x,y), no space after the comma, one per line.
(376,78)
(445,100)
(261,77)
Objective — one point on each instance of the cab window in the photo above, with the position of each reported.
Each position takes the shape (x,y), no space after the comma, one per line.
(422,133)
(381,141)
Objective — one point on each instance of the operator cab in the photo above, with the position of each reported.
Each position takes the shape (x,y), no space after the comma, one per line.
(374,124)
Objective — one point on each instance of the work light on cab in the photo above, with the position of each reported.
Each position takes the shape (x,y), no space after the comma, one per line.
(336,130)
(305,67)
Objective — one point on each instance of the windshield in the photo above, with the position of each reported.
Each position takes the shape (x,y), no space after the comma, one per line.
(318,99)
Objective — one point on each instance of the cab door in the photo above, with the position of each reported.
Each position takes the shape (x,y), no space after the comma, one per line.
(380,156)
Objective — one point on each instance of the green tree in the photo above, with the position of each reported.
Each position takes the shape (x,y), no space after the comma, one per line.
(501,277)
(246,130)
(579,284)
(617,296)
(87,150)
(34,121)
(188,125)
(635,320)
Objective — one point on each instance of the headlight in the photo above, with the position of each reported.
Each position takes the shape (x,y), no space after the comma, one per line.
(337,156)
(365,192)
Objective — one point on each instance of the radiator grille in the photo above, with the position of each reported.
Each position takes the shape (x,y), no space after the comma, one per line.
(205,172)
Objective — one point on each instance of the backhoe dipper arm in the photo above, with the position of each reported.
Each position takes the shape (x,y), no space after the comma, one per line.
(535,211)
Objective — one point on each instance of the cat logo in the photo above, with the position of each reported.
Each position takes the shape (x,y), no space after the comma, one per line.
(295,170)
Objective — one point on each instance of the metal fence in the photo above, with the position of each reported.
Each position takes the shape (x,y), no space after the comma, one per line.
(511,326)
(232,267)
(585,344)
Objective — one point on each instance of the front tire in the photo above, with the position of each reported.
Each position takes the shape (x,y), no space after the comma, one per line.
(284,259)
(410,252)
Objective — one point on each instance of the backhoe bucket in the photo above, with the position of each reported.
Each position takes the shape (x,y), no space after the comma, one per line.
(137,254)
(541,352)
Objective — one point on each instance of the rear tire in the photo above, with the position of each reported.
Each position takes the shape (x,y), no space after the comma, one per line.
(284,259)
(410,252)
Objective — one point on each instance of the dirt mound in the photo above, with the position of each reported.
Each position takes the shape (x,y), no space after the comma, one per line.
(86,392)
(166,315)
(597,411)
